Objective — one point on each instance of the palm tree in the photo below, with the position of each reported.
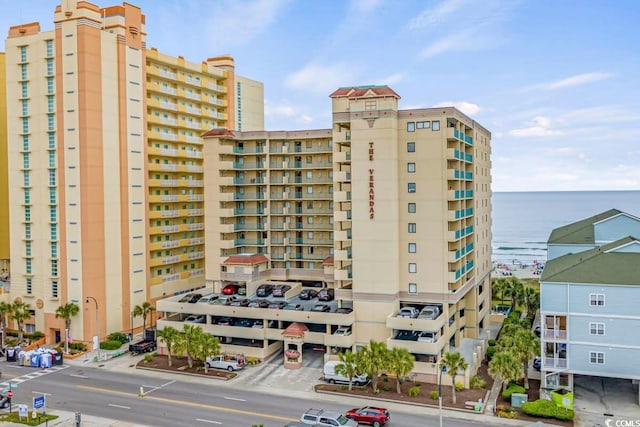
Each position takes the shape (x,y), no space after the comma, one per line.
(5,309)
(454,362)
(531,301)
(514,290)
(401,362)
(190,336)
(373,360)
(498,288)
(507,366)
(524,345)
(20,311)
(348,367)
(143,311)
(170,336)
(207,346)
(66,312)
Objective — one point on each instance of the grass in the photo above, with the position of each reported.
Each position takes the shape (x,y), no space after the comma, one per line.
(28,421)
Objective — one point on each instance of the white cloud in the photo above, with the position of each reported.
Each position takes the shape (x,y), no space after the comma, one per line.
(455,41)
(435,15)
(577,80)
(538,127)
(468,108)
(321,78)
(389,80)
(284,114)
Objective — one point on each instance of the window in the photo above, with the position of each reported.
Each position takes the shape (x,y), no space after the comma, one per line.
(411,147)
(411,167)
(596,328)
(435,125)
(413,288)
(411,207)
(423,125)
(413,267)
(50,88)
(596,300)
(370,105)
(412,248)
(411,228)
(596,357)
(411,187)
(411,127)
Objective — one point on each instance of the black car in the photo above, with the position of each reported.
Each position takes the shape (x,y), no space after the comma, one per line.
(344,310)
(240,302)
(277,305)
(225,321)
(295,307)
(244,323)
(308,294)
(407,335)
(190,298)
(280,290)
(321,307)
(264,290)
(326,294)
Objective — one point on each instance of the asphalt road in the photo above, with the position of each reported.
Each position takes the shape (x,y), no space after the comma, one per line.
(115,395)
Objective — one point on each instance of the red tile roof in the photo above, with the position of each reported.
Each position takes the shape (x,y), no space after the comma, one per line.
(218,132)
(362,91)
(328,261)
(246,259)
(295,330)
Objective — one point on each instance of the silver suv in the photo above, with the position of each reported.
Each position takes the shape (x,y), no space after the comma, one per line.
(320,417)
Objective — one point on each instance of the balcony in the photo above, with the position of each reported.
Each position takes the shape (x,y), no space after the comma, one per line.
(405,323)
(551,362)
(555,334)
(419,347)
(342,157)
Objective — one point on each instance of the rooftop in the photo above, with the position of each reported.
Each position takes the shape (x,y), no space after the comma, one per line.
(580,232)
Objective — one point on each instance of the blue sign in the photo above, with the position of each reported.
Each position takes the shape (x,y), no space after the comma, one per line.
(39,402)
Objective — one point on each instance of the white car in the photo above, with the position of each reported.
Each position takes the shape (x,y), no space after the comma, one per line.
(429,312)
(410,312)
(343,331)
(208,299)
(427,336)
(196,318)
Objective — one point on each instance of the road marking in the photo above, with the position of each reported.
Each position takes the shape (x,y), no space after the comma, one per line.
(169,383)
(78,376)
(208,421)
(119,406)
(39,392)
(187,403)
(234,398)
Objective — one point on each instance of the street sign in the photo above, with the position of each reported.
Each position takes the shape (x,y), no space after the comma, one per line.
(39,402)
(9,394)
(23,410)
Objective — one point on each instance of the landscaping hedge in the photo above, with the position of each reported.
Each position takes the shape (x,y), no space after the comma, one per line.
(512,388)
(110,345)
(547,409)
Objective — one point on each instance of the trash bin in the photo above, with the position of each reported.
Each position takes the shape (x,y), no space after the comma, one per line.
(11,354)
(57,358)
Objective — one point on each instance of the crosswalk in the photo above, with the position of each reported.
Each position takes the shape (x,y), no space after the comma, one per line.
(35,373)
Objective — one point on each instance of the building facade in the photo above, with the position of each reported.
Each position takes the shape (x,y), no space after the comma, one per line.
(4,177)
(388,209)
(590,288)
(110,186)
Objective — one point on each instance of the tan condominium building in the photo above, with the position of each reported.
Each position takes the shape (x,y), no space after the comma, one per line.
(4,177)
(386,215)
(105,172)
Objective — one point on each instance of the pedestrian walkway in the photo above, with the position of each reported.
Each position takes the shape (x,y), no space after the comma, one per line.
(33,373)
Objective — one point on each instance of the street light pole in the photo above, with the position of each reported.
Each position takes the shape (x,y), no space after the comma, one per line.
(441,369)
(97,324)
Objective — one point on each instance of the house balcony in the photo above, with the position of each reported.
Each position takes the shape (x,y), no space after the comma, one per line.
(551,362)
(555,334)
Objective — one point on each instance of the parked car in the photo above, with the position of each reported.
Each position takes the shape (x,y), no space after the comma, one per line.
(429,312)
(224,362)
(196,318)
(230,300)
(375,416)
(230,289)
(410,312)
(280,290)
(343,331)
(242,290)
(240,302)
(326,294)
(244,323)
(320,417)
(537,363)
(259,303)
(264,290)
(277,305)
(321,307)
(223,300)
(330,375)
(224,321)
(407,335)
(190,298)
(344,310)
(208,299)
(308,294)
(296,307)
(427,336)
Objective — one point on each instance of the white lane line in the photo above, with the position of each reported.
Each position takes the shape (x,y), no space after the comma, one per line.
(119,406)
(234,398)
(39,392)
(208,421)
(78,376)
(169,383)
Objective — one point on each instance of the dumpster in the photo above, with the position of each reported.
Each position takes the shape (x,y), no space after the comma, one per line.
(34,360)
(45,360)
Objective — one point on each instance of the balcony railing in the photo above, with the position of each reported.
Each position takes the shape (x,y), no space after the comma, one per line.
(555,333)
(555,362)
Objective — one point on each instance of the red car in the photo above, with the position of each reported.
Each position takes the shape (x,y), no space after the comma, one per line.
(230,289)
(369,415)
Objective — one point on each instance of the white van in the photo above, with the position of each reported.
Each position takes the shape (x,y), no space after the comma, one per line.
(331,376)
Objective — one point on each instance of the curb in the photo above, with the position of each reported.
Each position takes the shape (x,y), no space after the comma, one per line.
(184,373)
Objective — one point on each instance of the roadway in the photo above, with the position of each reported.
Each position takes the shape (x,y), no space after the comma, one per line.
(116,395)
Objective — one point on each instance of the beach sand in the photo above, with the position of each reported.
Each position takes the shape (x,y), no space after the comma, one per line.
(517,269)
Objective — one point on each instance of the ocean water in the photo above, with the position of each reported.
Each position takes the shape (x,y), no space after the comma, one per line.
(523,221)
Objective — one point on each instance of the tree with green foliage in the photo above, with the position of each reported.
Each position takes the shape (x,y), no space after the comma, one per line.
(171,337)
(189,341)
(373,360)
(20,311)
(514,289)
(400,362)
(348,367)
(531,301)
(498,287)
(67,312)
(506,365)
(206,346)
(5,309)
(454,362)
(144,310)
(524,345)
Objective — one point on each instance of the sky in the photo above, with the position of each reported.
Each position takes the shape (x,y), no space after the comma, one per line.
(556,82)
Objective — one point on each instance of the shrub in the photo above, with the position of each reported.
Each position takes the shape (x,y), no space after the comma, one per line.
(492,343)
(80,346)
(477,382)
(37,335)
(110,345)
(148,358)
(118,336)
(385,387)
(459,386)
(414,391)
(513,388)
(507,414)
(490,352)
(434,394)
(547,409)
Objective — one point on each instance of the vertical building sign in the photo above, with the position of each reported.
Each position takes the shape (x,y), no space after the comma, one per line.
(372,193)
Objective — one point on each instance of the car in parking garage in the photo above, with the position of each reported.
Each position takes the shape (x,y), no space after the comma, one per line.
(344,310)
(407,335)
(429,312)
(326,294)
(231,289)
(196,318)
(308,294)
(410,312)
(292,306)
(280,290)
(208,299)
(343,331)
(240,302)
(190,298)
(264,290)
(244,323)
(259,303)
(427,336)
(321,308)
(279,305)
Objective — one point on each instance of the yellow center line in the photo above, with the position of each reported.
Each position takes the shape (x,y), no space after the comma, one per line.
(186,403)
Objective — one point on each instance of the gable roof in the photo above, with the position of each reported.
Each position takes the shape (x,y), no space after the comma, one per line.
(354,92)
(601,265)
(580,232)
(296,330)
(248,259)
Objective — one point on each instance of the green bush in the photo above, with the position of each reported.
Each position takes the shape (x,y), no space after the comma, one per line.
(37,335)
(110,345)
(492,343)
(414,391)
(80,346)
(477,382)
(459,386)
(547,409)
(148,357)
(434,394)
(490,352)
(512,388)
(385,387)
(118,336)
(515,314)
